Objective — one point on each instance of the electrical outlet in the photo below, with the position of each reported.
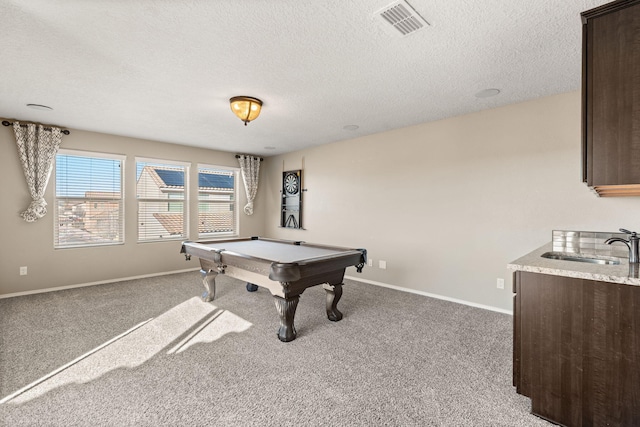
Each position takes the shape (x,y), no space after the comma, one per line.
(500,283)
(23,271)
(382,264)
(370,262)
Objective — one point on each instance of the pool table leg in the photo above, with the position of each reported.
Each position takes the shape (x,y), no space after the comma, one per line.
(287,310)
(209,281)
(334,293)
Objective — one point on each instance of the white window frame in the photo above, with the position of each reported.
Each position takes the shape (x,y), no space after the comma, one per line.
(236,216)
(98,155)
(167,201)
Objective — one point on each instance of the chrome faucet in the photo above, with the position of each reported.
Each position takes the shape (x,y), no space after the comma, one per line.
(632,244)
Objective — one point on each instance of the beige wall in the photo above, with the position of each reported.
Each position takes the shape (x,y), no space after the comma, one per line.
(448,204)
(31,244)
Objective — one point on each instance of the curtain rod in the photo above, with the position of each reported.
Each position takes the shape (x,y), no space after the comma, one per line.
(238,156)
(6,123)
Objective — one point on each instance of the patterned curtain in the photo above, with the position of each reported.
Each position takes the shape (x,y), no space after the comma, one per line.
(37,148)
(250,167)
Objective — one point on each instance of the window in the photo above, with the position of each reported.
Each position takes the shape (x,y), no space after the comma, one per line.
(89,207)
(217,205)
(162,204)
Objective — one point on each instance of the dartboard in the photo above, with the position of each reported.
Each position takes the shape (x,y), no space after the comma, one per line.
(291,183)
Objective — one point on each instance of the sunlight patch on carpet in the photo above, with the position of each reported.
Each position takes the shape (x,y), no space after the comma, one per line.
(216,327)
(139,344)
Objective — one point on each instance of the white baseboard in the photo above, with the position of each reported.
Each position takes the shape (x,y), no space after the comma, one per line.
(427,294)
(357,279)
(101,282)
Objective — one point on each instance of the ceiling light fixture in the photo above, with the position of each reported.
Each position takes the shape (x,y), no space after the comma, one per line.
(246,108)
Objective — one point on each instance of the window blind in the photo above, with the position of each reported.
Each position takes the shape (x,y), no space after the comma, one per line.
(89,208)
(162,207)
(217,201)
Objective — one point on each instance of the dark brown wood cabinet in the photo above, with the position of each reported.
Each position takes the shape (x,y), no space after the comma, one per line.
(611,98)
(576,349)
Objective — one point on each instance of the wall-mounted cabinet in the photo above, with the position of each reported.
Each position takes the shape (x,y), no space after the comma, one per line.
(291,204)
(611,98)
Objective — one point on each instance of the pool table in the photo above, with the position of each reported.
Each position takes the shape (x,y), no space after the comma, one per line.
(286,268)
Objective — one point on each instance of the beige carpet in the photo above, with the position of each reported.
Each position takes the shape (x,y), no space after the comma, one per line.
(149,352)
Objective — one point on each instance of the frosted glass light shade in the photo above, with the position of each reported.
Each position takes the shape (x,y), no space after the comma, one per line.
(246,108)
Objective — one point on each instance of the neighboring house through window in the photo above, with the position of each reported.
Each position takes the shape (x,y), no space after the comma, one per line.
(217,201)
(162,202)
(89,207)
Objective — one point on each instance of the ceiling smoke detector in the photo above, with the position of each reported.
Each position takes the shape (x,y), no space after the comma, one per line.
(403,17)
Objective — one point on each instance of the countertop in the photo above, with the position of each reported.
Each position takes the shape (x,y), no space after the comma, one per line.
(534,263)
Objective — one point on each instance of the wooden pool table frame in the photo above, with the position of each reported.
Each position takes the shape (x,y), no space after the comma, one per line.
(285,280)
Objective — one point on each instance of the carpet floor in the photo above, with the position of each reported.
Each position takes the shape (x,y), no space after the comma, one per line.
(148,352)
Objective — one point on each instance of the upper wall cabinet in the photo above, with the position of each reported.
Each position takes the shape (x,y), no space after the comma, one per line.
(611,98)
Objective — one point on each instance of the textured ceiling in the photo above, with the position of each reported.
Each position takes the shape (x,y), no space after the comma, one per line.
(165,69)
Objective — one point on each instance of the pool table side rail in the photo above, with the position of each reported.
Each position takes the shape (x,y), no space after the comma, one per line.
(303,243)
(198,248)
(264,239)
(310,266)
(204,248)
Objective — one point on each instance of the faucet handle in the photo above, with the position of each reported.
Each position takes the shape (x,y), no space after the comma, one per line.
(633,233)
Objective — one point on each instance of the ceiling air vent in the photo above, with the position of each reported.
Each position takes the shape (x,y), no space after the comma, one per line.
(402,17)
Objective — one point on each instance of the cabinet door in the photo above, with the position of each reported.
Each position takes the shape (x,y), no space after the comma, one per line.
(578,348)
(550,345)
(611,354)
(291,207)
(611,94)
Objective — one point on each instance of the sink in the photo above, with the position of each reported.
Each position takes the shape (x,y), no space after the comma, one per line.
(580,258)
